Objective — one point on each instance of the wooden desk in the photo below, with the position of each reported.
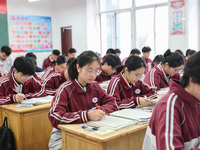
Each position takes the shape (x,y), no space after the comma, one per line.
(76,138)
(30,126)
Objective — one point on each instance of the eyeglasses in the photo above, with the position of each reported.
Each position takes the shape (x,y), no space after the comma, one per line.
(91,72)
(138,76)
(26,77)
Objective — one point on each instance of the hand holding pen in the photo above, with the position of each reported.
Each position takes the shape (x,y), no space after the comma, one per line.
(19,96)
(144,101)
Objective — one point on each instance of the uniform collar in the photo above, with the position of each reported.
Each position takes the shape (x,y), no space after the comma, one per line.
(163,73)
(125,82)
(79,87)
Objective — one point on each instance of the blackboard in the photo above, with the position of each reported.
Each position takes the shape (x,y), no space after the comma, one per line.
(3,30)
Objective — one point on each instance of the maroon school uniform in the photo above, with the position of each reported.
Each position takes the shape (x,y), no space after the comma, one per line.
(53,81)
(48,72)
(124,60)
(175,122)
(47,63)
(148,63)
(157,79)
(72,102)
(127,95)
(102,76)
(31,88)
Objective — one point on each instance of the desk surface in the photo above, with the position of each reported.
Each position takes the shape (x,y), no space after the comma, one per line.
(12,108)
(76,129)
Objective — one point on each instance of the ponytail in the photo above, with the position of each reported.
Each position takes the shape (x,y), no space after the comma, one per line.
(72,70)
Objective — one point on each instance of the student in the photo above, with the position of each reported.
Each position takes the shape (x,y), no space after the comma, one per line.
(156,60)
(118,52)
(189,53)
(57,65)
(47,62)
(76,100)
(71,53)
(158,77)
(5,61)
(55,79)
(109,51)
(145,55)
(127,88)
(175,120)
(135,52)
(180,52)
(108,68)
(20,84)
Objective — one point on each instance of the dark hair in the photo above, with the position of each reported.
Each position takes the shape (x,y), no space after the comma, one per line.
(132,63)
(70,60)
(6,50)
(56,52)
(190,52)
(110,51)
(31,55)
(180,52)
(117,50)
(135,51)
(158,58)
(72,50)
(174,59)
(146,49)
(60,60)
(112,60)
(191,69)
(25,65)
(86,57)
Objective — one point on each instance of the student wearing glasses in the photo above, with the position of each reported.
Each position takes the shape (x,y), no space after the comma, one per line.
(108,68)
(127,88)
(159,77)
(77,99)
(20,84)
(57,65)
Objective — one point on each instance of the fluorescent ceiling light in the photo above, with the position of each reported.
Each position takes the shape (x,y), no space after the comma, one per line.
(32,0)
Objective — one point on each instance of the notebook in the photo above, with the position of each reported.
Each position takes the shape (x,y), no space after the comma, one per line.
(39,100)
(113,123)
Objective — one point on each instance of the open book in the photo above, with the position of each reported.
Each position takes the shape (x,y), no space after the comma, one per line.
(39,100)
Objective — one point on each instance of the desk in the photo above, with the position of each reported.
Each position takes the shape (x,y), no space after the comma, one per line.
(30,126)
(76,138)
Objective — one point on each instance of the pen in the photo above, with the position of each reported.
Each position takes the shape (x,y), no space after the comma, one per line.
(18,93)
(97,106)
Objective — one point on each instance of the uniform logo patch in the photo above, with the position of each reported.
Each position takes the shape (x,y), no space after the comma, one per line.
(94,100)
(137,91)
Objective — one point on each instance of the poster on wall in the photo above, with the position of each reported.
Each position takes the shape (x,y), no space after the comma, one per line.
(3,6)
(30,33)
(178,17)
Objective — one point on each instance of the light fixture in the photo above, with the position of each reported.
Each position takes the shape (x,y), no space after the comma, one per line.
(32,0)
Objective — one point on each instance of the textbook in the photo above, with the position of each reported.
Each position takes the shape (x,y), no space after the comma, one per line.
(39,100)
(134,114)
(113,123)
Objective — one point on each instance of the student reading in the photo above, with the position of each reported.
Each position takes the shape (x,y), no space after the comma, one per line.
(75,100)
(20,83)
(127,88)
(175,121)
(159,76)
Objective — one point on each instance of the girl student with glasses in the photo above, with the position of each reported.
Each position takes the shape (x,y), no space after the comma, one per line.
(78,99)
(20,84)
(127,88)
(175,122)
(159,77)
(57,65)
(108,68)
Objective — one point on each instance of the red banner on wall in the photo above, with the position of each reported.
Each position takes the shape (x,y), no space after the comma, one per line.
(3,6)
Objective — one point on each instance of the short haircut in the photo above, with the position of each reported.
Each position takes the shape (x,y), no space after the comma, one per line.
(158,58)
(72,50)
(110,51)
(112,60)
(146,49)
(117,50)
(191,70)
(56,52)
(174,59)
(6,50)
(190,52)
(61,60)
(25,65)
(180,52)
(31,55)
(135,51)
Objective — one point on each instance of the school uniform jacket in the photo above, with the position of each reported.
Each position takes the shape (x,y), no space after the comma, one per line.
(72,102)
(127,96)
(175,122)
(124,60)
(47,63)
(102,76)
(148,63)
(157,79)
(53,81)
(31,88)
(48,71)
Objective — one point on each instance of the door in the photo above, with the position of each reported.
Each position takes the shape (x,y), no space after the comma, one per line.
(66,39)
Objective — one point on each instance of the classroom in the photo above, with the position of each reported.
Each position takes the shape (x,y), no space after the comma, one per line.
(100,74)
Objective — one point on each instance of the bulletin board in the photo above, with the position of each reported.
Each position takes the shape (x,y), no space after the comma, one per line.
(30,33)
